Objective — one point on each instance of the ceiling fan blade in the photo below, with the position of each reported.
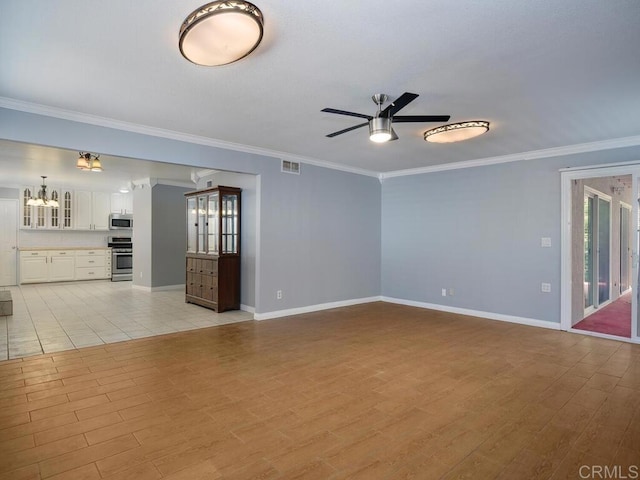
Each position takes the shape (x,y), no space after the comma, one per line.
(343,112)
(421,118)
(340,132)
(401,102)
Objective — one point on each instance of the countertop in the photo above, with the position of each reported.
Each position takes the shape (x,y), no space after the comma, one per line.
(27,249)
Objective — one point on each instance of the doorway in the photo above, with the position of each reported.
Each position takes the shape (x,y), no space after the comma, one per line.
(599,248)
(8,241)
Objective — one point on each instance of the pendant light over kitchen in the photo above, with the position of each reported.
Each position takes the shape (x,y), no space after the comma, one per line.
(88,161)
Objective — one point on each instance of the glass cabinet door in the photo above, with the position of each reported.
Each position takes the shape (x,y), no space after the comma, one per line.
(213,223)
(202,223)
(230,230)
(192,224)
(66,210)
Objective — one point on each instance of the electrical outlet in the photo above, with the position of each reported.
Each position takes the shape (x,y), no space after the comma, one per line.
(545,242)
(451,292)
(279,295)
(546,287)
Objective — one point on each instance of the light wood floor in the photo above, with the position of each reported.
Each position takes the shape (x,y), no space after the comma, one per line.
(364,392)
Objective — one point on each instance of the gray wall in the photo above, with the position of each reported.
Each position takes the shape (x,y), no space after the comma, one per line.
(248,228)
(142,241)
(319,232)
(168,234)
(478,231)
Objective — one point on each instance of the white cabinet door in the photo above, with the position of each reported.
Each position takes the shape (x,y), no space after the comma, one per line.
(121,203)
(92,210)
(61,266)
(83,210)
(34,268)
(101,210)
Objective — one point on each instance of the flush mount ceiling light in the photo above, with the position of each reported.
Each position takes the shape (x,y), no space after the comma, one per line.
(42,200)
(456,132)
(88,161)
(221,32)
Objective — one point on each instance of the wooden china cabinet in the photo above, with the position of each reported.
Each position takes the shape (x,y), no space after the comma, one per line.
(213,248)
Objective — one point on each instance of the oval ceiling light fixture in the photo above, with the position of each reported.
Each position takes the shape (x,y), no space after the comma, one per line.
(456,132)
(221,32)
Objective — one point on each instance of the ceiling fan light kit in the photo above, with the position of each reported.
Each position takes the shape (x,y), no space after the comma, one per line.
(380,129)
(221,32)
(381,125)
(456,132)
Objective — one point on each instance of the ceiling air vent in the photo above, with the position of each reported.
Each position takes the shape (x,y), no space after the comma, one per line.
(291,167)
(209,183)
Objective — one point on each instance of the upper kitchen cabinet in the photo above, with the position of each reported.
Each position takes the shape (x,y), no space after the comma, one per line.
(92,210)
(42,217)
(121,203)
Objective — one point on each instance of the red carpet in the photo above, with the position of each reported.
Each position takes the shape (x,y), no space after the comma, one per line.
(614,319)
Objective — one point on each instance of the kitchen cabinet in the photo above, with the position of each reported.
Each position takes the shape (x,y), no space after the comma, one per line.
(38,266)
(92,210)
(121,203)
(91,264)
(213,248)
(61,265)
(51,265)
(47,217)
(34,267)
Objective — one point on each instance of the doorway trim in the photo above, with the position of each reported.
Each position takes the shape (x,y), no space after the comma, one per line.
(566,177)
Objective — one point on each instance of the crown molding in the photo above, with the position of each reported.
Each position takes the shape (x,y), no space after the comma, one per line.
(518,157)
(55,112)
(73,116)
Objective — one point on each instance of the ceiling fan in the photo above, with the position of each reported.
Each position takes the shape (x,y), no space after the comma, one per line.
(380,129)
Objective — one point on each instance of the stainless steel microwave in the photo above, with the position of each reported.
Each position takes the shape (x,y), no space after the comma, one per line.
(119,221)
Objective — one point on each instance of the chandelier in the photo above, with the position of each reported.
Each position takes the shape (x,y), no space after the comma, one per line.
(88,161)
(42,200)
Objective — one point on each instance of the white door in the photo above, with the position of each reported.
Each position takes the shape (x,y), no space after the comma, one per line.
(8,241)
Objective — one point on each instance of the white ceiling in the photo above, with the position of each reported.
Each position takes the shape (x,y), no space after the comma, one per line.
(22,165)
(545,73)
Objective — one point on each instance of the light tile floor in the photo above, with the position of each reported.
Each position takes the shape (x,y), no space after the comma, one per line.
(63,316)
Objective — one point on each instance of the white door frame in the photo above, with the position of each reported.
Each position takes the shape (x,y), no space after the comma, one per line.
(567,176)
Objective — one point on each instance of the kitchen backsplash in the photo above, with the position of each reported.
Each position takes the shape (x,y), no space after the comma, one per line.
(66,238)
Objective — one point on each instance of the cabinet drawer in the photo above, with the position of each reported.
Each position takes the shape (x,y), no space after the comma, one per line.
(62,253)
(28,254)
(87,273)
(90,261)
(90,253)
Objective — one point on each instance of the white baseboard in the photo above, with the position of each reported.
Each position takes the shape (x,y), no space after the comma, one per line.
(314,308)
(476,313)
(604,335)
(141,287)
(168,288)
(247,308)
(158,289)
